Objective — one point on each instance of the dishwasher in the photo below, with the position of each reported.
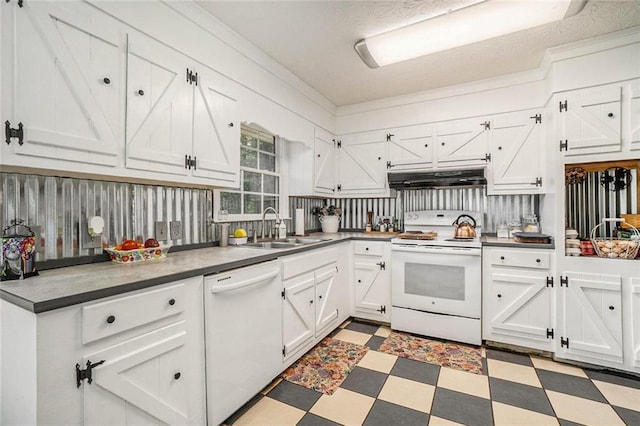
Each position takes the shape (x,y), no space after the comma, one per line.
(243,335)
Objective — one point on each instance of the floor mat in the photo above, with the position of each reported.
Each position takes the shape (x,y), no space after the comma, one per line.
(325,367)
(446,354)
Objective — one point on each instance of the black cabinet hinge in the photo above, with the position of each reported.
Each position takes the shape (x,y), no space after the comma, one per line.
(389,136)
(538,182)
(563,106)
(538,118)
(549,281)
(190,162)
(564,145)
(282,294)
(86,373)
(284,350)
(339,143)
(13,133)
(19,2)
(382,310)
(339,188)
(192,77)
(389,164)
(487,125)
(550,333)
(564,281)
(487,157)
(382,265)
(564,342)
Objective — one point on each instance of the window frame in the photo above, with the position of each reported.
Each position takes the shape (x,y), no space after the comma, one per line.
(283,193)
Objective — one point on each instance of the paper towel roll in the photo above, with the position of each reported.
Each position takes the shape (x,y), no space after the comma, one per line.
(299,221)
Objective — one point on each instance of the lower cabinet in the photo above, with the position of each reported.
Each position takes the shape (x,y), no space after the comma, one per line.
(311,300)
(372,280)
(108,361)
(518,297)
(590,317)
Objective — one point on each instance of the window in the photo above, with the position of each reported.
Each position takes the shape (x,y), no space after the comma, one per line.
(259,178)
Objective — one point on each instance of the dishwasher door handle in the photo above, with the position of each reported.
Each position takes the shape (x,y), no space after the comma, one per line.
(216,289)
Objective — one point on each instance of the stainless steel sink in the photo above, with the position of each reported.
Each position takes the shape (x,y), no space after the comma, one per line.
(288,243)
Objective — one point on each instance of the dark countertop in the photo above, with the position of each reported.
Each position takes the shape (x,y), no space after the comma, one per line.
(62,287)
(493,241)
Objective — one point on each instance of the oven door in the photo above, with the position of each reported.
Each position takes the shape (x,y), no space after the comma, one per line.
(443,280)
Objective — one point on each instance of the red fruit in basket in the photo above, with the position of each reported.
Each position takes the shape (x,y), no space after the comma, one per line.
(151,242)
(129,245)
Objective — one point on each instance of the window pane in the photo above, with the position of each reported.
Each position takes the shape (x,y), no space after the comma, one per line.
(271,184)
(252,182)
(271,201)
(248,158)
(268,145)
(267,162)
(230,201)
(252,204)
(247,139)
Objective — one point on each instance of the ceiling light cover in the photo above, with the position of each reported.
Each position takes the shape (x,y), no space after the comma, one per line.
(480,21)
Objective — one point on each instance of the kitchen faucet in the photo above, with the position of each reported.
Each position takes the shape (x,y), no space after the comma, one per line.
(264,213)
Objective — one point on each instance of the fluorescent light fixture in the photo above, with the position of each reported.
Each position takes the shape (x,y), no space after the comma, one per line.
(477,22)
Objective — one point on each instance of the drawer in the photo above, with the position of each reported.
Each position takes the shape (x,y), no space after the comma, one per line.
(521,258)
(314,259)
(368,248)
(100,320)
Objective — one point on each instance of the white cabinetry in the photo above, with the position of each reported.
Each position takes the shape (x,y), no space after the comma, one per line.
(372,280)
(411,148)
(518,297)
(634,117)
(462,143)
(516,145)
(590,120)
(362,164)
(590,317)
(146,364)
(311,300)
(66,85)
(324,162)
(180,115)
(312,171)
(634,329)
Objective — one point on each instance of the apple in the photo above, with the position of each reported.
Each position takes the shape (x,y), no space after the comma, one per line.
(151,242)
(129,245)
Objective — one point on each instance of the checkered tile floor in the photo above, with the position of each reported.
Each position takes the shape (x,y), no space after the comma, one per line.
(386,390)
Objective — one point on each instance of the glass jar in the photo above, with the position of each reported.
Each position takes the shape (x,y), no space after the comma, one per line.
(503,230)
(530,223)
(514,226)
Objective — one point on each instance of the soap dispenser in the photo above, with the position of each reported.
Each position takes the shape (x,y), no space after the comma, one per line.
(282,230)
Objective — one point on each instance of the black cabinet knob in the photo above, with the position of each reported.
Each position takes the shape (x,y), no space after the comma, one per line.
(141,92)
(366,248)
(111,319)
(538,260)
(379,158)
(177,375)
(501,257)
(320,297)
(311,302)
(442,144)
(426,145)
(106,80)
(611,308)
(230,124)
(499,295)
(359,281)
(172,302)
(610,115)
(318,155)
(499,148)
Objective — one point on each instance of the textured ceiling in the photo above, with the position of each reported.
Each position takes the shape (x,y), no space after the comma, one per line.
(314,40)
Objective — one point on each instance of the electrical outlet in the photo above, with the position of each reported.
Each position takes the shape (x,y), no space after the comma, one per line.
(161,231)
(175,230)
(88,241)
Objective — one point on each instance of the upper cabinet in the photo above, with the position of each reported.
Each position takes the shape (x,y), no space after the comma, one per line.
(411,148)
(362,164)
(461,143)
(590,121)
(516,146)
(634,117)
(312,171)
(324,162)
(89,95)
(67,84)
(180,117)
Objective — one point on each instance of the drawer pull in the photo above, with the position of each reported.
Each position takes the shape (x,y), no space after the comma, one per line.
(501,257)
(359,281)
(141,92)
(366,248)
(538,260)
(106,80)
(111,319)
(611,308)
(320,297)
(172,302)
(499,296)
(177,375)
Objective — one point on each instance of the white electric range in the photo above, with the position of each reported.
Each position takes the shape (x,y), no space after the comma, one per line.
(437,284)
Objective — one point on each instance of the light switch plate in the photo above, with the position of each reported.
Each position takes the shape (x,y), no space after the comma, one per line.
(161,231)
(175,230)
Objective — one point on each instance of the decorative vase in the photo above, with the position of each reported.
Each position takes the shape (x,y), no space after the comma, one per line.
(330,224)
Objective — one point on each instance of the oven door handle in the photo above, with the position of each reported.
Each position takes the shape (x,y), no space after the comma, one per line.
(463,251)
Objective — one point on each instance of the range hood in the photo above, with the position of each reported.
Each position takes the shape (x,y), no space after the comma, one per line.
(437,179)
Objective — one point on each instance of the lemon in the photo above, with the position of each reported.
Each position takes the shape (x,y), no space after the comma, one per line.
(239,233)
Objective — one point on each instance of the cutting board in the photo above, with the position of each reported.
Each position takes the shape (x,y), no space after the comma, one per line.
(419,236)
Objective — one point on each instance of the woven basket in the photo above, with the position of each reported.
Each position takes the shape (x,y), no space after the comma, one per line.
(615,248)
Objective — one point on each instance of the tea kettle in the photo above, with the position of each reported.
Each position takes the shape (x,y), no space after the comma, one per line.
(464,229)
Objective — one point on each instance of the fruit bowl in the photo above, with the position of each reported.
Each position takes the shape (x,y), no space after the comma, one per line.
(137,255)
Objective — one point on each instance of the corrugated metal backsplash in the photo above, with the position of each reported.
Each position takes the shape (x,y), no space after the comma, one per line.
(57,205)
